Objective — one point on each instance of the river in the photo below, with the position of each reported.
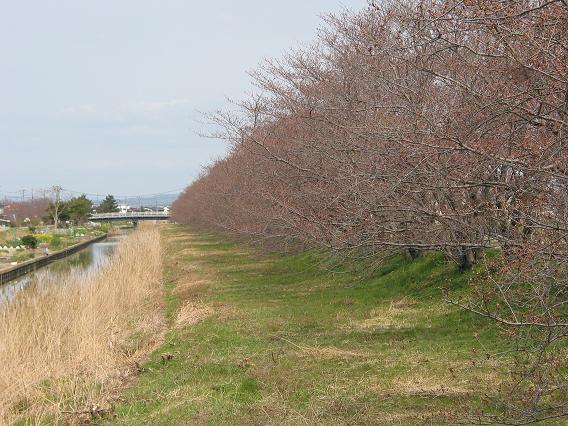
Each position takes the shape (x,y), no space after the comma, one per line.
(87,261)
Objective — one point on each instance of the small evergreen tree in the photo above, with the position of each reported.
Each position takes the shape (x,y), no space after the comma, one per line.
(108,205)
(79,209)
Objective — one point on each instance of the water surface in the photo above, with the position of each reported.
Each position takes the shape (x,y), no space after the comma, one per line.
(88,261)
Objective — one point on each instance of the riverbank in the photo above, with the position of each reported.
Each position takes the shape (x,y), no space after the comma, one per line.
(206,331)
(46,240)
(277,340)
(13,272)
(69,341)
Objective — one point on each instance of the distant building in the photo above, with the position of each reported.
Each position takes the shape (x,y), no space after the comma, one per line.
(4,221)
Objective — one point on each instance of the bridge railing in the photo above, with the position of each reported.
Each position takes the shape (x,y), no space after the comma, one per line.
(130,215)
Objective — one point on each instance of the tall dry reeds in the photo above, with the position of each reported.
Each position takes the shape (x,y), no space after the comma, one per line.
(68,342)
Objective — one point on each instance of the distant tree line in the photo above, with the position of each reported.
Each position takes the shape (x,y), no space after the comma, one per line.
(420,125)
(78,209)
(75,210)
(19,211)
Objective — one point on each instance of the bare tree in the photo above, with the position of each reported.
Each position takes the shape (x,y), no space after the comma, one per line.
(57,204)
(420,125)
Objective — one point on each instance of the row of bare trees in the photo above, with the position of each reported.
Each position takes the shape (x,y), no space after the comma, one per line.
(28,211)
(420,125)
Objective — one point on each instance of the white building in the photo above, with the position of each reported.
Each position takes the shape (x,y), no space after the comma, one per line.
(4,221)
(123,208)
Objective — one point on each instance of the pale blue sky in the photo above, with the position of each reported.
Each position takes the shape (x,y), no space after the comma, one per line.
(102,96)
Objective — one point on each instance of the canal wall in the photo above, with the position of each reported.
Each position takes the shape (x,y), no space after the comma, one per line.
(35,264)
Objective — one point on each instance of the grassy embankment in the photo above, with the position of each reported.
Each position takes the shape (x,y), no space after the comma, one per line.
(276,340)
(69,342)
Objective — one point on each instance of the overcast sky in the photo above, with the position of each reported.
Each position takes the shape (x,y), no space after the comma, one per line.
(102,96)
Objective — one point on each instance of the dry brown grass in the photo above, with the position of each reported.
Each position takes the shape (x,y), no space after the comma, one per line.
(399,314)
(192,313)
(67,343)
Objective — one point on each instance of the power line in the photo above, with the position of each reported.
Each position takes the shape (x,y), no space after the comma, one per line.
(122,196)
(23,194)
(30,194)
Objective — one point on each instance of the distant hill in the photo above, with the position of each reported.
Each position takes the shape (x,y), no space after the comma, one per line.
(155,200)
(161,200)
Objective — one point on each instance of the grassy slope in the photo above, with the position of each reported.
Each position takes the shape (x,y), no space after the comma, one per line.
(275,340)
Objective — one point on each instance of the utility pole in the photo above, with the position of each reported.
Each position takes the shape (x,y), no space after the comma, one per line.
(56,205)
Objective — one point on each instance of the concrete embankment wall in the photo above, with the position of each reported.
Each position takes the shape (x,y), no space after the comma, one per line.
(34,264)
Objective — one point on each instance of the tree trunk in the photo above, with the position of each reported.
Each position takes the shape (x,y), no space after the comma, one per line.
(467,258)
(414,253)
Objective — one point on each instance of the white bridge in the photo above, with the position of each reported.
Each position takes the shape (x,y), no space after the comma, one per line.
(130,216)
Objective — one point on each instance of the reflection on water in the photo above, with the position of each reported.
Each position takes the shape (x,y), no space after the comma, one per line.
(87,261)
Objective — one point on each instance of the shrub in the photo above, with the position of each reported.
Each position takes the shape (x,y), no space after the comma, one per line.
(44,238)
(29,241)
(14,243)
(55,242)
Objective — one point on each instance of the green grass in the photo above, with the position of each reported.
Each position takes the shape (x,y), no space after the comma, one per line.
(289,343)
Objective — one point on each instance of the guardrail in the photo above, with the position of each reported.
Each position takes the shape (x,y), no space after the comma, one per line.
(35,264)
